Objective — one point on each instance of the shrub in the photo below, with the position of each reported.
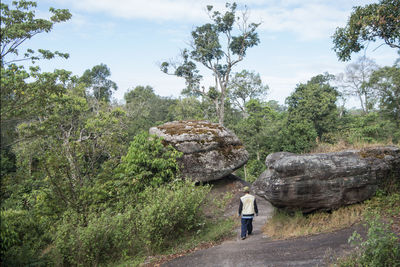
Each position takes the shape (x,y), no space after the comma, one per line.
(22,239)
(380,248)
(169,211)
(159,215)
(149,163)
(98,239)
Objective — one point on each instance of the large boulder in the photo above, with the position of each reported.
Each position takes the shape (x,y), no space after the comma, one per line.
(210,151)
(328,180)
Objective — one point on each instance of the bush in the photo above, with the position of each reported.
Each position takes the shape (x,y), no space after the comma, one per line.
(169,211)
(23,238)
(98,239)
(380,248)
(299,137)
(149,163)
(159,216)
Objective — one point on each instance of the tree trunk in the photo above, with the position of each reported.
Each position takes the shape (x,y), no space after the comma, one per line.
(245,172)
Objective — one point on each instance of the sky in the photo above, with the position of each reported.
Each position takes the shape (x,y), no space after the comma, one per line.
(133,37)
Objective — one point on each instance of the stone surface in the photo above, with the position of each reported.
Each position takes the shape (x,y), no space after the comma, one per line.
(327,180)
(210,151)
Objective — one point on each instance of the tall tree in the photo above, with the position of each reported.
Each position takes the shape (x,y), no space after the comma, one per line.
(218,46)
(19,24)
(24,93)
(97,81)
(354,82)
(244,86)
(386,81)
(379,20)
(314,102)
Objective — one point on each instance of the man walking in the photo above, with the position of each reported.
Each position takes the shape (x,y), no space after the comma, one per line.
(247,208)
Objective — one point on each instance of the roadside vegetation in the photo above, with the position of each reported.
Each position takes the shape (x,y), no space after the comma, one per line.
(83,184)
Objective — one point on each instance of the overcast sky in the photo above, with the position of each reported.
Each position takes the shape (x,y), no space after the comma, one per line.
(132,37)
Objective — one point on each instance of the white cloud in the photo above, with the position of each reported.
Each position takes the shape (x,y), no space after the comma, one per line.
(308,21)
(160,10)
(311,19)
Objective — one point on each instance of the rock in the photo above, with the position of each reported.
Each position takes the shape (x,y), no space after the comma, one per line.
(210,151)
(326,181)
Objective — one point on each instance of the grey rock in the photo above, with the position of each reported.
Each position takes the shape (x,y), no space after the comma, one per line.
(210,151)
(326,181)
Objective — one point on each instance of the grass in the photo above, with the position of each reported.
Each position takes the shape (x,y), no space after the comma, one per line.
(343,145)
(284,225)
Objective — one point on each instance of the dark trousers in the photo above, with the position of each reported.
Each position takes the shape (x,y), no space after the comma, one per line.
(247,227)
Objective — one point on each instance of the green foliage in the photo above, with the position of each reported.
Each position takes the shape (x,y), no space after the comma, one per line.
(381,246)
(169,211)
(218,46)
(261,129)
(387,83)
(149,163)
(244,86)
(299,136)
(23,237)
(145,109)
(102,239)
(369,128)
(377,20)
(97,80)
(315,102)
(188,108)
(149,224)
(252,170)
(18,24)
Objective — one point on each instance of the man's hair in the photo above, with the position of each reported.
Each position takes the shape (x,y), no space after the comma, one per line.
(246,189)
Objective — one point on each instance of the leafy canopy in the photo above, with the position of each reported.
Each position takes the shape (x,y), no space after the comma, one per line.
(218,46)
(379,20)
(18,24)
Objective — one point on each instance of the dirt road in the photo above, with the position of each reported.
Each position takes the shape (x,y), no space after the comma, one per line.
(258,250)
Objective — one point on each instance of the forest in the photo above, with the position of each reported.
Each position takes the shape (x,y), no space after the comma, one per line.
(83,183)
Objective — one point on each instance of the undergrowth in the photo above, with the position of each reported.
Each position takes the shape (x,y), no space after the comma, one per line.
(322,147)
(381,246)
(284,225)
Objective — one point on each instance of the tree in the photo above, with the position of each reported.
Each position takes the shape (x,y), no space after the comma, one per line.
(216,47)
(19,24)
(379,20)
(355,82)
(314,102)
(146,109)
(245,86)
(386,81)
(188,108)
(24,93)
(97,80)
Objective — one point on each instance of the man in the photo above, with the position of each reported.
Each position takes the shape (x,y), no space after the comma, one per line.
(247,208)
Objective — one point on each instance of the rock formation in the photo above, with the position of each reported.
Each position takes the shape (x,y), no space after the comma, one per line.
(328,180)
(210,151)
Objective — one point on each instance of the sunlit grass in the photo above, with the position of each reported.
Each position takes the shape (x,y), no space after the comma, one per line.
(284,225)
(343,145)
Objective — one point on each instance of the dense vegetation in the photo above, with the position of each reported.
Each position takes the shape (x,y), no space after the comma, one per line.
(84,184)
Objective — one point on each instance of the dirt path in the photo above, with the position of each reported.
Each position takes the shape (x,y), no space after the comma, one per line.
(258,250)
